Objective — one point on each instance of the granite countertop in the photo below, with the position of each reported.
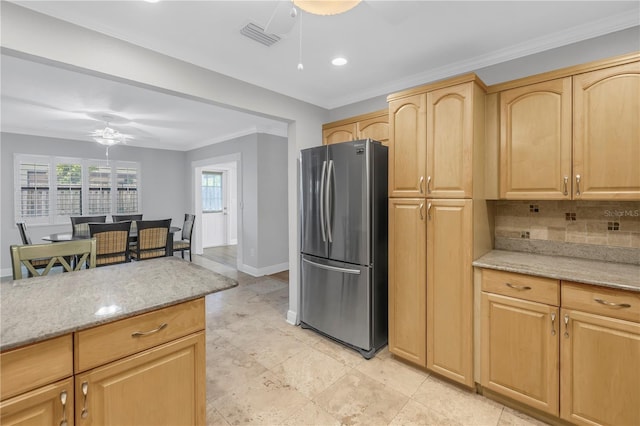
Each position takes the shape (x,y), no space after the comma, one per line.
(40,308)
(608,274)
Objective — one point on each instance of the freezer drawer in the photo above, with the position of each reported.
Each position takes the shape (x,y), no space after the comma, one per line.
(336,300)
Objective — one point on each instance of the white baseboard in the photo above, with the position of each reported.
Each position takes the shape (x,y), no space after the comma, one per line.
(292,317)
(6,272)
(267,270)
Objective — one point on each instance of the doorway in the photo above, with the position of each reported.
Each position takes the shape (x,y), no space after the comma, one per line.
(217,189)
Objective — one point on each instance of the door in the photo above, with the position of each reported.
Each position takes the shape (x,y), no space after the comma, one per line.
(520,365)
(336,300)
(450,289)
(375,128)
(408,279)
(313,168)
(535,141)
(450,142)
(348,186)
(600,370)
(149,388)
(214,213)
(408,146)
(606,133)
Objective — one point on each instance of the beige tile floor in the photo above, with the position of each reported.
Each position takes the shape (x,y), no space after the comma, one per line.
(263,371)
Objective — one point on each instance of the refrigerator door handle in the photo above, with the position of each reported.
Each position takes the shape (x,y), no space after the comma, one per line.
(322,179)
(333,268)
(328,201)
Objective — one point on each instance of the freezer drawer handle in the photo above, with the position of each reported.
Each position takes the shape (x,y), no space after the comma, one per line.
(333,268)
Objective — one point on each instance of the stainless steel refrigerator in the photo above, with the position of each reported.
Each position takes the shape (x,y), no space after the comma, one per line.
(343,258)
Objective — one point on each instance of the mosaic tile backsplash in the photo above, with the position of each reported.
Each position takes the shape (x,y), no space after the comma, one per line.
(596,229)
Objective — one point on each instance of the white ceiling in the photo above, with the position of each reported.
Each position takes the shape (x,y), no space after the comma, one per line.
(391,45)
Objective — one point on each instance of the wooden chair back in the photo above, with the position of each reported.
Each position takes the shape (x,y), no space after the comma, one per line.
(112,242)
(80,224)
(84,250)
(152,239)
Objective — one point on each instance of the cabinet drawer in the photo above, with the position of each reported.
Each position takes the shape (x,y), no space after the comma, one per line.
(527,287)
(35,365)
(105,343)
(601,301)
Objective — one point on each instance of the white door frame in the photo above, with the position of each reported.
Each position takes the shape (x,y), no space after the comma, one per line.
(198,167)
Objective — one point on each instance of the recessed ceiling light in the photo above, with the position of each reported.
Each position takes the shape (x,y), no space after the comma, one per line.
(338,62)
(152,1)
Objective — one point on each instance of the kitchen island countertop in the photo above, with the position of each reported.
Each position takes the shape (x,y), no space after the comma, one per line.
(41,308)
(607,274)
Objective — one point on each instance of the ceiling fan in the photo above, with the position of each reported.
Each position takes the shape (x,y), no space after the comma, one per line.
(283,17)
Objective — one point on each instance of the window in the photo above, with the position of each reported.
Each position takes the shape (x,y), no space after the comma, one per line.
(33,197)
(73,187)
(211,192)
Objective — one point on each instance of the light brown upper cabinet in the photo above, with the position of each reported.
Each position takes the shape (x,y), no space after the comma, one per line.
(343,133)
(450,136)
(376,128)
(374,125)
(575,137)
(535,141)
(407,152)
(606,133)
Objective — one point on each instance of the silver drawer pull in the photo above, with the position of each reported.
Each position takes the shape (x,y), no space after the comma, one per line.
(85,392)
(613,304)
(518,287)
(63,401)
(146,333)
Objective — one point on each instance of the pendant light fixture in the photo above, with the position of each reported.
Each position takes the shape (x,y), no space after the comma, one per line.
(326,7)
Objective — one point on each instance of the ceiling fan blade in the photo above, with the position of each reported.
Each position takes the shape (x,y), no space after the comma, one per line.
(282,19)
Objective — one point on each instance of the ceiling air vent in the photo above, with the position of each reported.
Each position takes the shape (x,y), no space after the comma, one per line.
(256,32)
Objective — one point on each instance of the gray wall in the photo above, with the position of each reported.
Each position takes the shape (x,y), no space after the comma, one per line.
(264,194)
(273,224)
(606,46)
(163,175)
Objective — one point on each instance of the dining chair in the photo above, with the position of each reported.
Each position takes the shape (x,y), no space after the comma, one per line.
(26,240)
(187,231)
(56,253)
(124,217)
(112,242)
(80,224)
(152,239)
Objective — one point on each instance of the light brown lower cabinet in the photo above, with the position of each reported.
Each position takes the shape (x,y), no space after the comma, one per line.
(161,386)
(148,369)
(407,279)
(580,362)
(450,289)
(48,405)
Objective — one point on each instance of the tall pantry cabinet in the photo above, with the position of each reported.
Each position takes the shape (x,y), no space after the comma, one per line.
(438,222)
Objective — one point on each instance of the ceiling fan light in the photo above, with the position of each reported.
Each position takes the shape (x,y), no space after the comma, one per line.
(326,7)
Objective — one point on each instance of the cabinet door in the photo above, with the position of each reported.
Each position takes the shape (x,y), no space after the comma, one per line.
(600,376)
(450,142)
(450,289)
(344,133)
(519,350)
(535,141)
(606,132)
(375,128)
(48,405)
(407,279)
(408,146)
(161,386)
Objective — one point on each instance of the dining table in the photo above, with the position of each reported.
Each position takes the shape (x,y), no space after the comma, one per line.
(133,236)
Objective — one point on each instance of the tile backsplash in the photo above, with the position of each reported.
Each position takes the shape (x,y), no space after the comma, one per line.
(597,227)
